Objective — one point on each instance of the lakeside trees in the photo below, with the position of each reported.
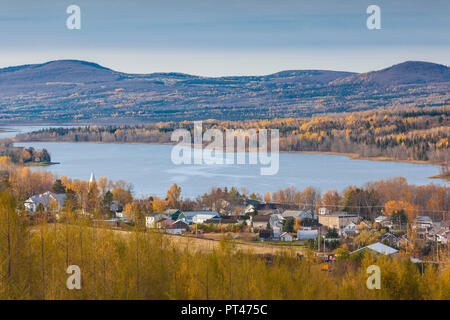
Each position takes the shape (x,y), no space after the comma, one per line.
(372,199)
(405,134)
(21,155)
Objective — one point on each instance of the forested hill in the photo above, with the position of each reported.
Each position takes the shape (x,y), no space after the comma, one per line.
(407,134)
(70,91)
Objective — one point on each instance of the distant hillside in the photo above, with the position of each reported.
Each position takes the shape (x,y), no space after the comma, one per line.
(70,91)
(57,71)
(409,72)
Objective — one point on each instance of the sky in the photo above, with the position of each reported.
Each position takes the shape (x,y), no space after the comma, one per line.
(227,37)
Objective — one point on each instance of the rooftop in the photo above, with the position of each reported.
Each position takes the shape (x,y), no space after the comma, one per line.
(260,218)
(379,248)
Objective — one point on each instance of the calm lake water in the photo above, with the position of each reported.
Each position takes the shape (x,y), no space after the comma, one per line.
(150,169)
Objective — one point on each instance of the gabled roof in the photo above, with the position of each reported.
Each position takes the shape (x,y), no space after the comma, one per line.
(426,219)
(260,218)
(222,221)
(340,214)
(350,227)
(182,221)
(382,248)
(166,223)
(191,214)
(297,214)
(388,235)
(171,211)
(379,248)
(178,224)
(46,198)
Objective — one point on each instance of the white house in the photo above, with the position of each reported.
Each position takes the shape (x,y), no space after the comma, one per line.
(202,217)
(45,199)
(381,219)
(121,216)
(250,209)
(276,232)
(442,236)
(286,237)
(152,219)
(275,220)
(349,229)
(423,222)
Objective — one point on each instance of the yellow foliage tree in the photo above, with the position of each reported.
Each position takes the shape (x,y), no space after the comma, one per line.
(393,206)
(158,205)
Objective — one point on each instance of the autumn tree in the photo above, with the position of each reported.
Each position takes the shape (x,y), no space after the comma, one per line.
(361,202)
(13,249)
(173,196)
(297,225)
(131,211)
(123,196)
(288,225)
(158,205)
(394,207)
(58,187)
(331,200)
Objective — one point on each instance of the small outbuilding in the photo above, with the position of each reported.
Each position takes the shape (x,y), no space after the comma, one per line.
(286,237)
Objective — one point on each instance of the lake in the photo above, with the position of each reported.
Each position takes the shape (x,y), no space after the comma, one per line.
(150,169)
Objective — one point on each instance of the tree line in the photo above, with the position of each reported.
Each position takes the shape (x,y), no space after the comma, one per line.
(419,134)
(22,155)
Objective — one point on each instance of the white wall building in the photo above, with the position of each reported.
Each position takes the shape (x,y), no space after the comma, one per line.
(45,199)
(286,237)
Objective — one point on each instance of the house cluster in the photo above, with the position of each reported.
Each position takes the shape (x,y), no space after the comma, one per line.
(432,231)
(273,221)
(425,228)
(175,221)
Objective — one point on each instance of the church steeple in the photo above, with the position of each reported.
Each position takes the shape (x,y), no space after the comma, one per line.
(92,179)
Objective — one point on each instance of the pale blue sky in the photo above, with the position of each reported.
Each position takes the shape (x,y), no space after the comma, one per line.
(228,37)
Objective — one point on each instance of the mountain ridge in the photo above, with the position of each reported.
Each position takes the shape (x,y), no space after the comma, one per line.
(77,90)
(65,62)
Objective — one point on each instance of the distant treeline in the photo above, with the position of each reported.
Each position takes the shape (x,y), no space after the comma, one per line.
(23,155)
(407,134)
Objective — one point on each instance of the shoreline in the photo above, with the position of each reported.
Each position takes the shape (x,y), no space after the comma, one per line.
(441,176)
(352,156)
(40,164)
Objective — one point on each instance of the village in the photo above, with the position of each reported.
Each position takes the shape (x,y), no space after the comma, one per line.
(329,233)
